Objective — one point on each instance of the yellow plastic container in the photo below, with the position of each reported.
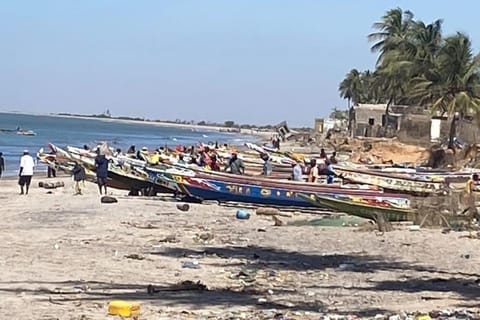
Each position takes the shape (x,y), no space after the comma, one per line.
(124,309)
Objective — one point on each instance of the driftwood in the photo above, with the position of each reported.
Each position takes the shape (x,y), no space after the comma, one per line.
(272,212)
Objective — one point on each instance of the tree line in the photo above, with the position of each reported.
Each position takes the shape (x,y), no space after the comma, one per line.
(418,65)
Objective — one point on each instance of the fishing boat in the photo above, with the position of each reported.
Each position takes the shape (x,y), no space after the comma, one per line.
(26,133)
(121,173)
(232,188)
(411,184)
(367,208)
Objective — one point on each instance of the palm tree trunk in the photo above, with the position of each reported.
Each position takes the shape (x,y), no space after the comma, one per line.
(349,117)
(387,111)
(452,133)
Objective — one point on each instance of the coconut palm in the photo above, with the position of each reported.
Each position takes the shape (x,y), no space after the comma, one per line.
(350,88)
(393,33)
(453,86)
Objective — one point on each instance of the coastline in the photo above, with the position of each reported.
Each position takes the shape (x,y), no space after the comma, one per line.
(194,127)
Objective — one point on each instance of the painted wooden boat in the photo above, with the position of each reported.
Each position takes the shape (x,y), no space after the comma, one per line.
(121,174)
(393,182)
(361,209)
(231,188)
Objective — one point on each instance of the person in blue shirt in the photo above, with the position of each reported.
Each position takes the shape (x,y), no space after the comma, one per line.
(101,163)
(330,173)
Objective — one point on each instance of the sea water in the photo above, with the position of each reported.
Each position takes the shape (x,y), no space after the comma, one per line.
(64,131)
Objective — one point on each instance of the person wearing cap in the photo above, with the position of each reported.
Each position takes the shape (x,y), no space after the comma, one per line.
(26,172)
(2,164)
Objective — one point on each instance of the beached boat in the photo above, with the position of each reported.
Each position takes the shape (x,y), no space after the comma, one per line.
(394,182)
(121,173)
(232,188)
(367,208)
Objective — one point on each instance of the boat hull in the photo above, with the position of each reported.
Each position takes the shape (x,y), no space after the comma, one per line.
(361,210)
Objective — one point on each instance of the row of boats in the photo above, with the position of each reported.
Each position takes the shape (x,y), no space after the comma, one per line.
(359,190)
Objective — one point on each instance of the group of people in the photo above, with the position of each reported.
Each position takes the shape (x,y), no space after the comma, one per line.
(313,170)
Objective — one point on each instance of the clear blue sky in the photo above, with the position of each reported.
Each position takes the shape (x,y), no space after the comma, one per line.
(252,61)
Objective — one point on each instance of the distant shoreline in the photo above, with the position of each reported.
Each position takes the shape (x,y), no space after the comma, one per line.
(195,127)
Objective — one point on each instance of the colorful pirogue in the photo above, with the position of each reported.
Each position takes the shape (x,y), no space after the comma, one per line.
(363,192)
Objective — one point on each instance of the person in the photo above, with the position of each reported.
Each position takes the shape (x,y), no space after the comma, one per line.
(267,165)
(131,150)
(2,164)
(79,177)
(333,158)
(214,163)
(323,154)
(470,197)
(26,171)
(205,158)
(297,174)
(313,175)
(51,171)
(235,165)
(118,152)
(101,163)
(329,172)
(85,147)
(181,161)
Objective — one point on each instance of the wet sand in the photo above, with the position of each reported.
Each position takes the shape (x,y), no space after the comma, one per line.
(66,257)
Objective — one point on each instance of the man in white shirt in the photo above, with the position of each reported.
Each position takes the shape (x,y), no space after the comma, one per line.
(26,171)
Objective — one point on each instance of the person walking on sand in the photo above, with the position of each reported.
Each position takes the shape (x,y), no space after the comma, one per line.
(26,171)
(101,163)
(2,164)
(79,177)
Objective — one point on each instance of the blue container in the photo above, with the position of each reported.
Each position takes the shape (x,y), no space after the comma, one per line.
(242,214)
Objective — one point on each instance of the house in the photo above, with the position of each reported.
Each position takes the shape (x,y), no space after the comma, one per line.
(410,124)
(369,119)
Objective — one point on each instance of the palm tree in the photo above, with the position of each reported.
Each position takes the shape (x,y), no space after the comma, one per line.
(393,33)
(453,86)
(350,87)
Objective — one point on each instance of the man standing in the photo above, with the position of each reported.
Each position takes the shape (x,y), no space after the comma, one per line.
(101,163)
(297,174)
(26,171)
(2,164)
(267,165)
(313,175)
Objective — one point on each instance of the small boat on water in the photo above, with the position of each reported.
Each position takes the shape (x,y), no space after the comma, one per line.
(26,133)
(368,209)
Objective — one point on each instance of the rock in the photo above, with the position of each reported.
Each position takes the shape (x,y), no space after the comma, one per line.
(183,207)
(108,199)
(135,256)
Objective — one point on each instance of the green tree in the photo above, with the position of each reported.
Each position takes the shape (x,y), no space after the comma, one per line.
(393,32)
(453,87)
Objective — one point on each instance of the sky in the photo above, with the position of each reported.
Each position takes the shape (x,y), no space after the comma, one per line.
(250,61)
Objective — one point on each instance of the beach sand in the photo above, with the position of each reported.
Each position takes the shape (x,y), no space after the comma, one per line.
(66,257)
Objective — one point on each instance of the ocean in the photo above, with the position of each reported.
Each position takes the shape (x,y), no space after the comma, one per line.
(78,132)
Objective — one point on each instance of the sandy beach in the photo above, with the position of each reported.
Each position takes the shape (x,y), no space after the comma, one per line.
(66,257)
